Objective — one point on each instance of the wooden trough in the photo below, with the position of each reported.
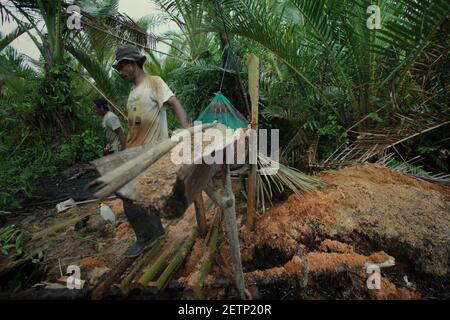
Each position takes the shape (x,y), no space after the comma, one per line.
(149,177)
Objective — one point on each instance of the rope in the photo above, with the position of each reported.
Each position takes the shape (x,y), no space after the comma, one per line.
(231,48)
(224,67)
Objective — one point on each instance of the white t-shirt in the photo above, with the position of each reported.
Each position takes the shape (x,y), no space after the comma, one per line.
(111,123)
(147,116)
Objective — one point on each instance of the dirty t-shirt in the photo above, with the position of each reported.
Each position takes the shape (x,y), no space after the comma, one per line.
(111,123)
(147,116)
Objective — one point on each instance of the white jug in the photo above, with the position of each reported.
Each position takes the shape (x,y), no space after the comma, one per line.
(106,213)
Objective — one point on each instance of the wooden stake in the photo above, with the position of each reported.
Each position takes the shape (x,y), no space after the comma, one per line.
(233,235)
(200,216)
(253,70)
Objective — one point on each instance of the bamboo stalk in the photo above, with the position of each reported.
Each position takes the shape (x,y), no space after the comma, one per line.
(59,227)
(176,262)
(124,285)
(197,277)
(159,263)
(207,263)
(109,278)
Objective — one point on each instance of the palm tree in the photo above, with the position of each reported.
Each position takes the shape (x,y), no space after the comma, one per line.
(93,47)
(336,31)
(55,97)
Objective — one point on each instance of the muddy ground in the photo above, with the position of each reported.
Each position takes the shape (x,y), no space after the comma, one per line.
(362,211)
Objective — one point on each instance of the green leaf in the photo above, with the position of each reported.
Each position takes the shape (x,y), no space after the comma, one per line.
(375,117)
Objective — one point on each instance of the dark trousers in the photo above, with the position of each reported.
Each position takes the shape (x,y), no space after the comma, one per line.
(146,225)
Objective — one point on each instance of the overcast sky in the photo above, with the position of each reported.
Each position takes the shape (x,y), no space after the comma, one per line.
(134,8)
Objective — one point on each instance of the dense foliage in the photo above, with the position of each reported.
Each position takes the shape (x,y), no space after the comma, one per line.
(323,72)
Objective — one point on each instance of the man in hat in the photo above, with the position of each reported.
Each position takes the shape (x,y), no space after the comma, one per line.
(148,100)
(147,123)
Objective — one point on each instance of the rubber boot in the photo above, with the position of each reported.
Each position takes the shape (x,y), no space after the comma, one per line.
(147,227)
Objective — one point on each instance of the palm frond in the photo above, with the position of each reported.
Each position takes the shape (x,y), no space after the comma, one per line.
(283,179)
(13,35)
(408,35)
(16,75)
(96,70)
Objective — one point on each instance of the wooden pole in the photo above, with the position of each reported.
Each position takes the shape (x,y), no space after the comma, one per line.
(253,71)
(124,117)
(227,203)
(233,235)
(200,216)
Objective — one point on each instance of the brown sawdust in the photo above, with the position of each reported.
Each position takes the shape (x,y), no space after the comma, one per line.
(317,206)
(115,205)
(319,261)
(157,184)
(379,257)
(335,246)
(294,265)
(283,225)
(122,231)
(193,258)
(375,203)
(272,272)
(93,262)
(389,291)
(378,174)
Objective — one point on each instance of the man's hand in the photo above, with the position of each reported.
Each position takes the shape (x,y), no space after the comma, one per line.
(180,112)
